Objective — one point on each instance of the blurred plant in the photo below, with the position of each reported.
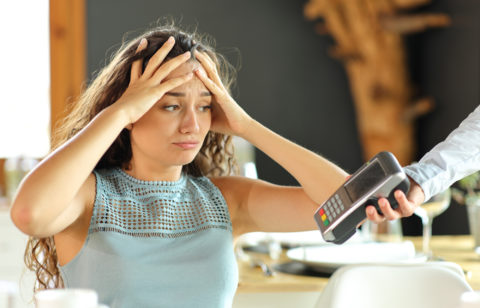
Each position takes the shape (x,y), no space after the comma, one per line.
(467,188)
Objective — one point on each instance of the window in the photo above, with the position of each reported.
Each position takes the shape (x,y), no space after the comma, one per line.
(25,94)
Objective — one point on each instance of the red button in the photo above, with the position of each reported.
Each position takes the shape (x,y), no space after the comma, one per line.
(321,212)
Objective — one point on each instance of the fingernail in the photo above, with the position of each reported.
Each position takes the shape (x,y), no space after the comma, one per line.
(170,40)
(143,42)
(187,54)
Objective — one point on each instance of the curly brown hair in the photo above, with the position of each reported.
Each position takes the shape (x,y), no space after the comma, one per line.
(215,158)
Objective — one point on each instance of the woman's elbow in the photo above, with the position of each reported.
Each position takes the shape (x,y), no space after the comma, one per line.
(23,218)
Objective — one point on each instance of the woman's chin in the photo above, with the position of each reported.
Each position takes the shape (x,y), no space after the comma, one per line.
(182,161)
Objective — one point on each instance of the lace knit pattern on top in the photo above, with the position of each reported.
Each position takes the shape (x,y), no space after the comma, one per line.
(157,208)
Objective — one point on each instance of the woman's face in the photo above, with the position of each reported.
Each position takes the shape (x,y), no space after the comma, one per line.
(172,132)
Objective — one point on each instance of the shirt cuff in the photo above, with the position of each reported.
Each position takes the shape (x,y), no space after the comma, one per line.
(424,174)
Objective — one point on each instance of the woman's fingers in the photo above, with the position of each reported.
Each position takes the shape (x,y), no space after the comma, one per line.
(136,70)
(209,66)
(207,60)
(158,57)
(171,84)
(212,86)
(169,66)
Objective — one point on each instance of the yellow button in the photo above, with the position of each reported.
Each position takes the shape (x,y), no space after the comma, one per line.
(324,217)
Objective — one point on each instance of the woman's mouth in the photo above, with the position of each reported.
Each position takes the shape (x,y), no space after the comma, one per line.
(186,145)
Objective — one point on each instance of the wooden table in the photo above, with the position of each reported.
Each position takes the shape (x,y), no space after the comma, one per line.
(458,249)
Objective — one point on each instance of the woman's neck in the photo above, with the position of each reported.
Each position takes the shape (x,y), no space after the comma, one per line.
(153,172)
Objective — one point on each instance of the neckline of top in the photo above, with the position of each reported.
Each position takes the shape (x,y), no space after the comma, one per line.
(178,182)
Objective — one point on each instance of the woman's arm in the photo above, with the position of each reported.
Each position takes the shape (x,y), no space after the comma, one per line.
(318,177)
(50,190)
(56,192)
(268,207)
(256,205)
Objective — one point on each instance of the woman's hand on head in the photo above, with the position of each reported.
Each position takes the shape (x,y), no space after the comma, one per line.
(146,88)
(406,204)
(227,116)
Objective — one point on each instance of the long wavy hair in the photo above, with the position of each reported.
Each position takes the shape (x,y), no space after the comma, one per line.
(216,156)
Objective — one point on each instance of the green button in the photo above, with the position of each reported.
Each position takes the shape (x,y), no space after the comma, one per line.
(326,222)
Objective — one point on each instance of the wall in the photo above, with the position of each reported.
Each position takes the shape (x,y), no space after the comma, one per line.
(289,83)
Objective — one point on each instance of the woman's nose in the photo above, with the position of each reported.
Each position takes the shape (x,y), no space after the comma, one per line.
(189,122)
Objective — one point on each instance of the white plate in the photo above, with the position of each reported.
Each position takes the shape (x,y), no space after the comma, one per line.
(330,257)
(288,239)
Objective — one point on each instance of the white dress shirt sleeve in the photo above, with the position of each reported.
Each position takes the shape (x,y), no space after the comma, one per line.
(450,160)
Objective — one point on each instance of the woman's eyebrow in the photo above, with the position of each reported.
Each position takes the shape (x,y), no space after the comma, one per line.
(182,94)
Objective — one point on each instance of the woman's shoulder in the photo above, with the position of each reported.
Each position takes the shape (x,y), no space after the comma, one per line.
(224,180)
(233,182)
(233,188)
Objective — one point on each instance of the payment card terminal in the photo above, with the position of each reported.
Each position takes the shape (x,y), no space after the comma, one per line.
(339,216)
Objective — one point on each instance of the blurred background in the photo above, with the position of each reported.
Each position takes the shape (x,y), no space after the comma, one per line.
(289,76)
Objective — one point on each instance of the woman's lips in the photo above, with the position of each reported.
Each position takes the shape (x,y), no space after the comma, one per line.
(186,145)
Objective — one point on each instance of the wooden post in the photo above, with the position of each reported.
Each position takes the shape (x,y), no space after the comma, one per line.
(369,42)
(67,54)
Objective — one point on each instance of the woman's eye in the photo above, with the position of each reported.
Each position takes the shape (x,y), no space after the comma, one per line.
(170,107)
(205,108)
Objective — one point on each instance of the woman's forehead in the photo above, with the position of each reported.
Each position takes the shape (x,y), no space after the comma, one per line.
(185,68)
(195,83)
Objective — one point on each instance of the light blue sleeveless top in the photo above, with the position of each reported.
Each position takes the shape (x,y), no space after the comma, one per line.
(156,244)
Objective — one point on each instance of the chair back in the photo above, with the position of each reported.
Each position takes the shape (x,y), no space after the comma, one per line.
(420,285)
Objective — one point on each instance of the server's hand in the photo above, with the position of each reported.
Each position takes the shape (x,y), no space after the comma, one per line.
(406,204)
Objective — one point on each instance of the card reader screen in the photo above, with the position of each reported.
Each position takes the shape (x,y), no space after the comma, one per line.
(363,182)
